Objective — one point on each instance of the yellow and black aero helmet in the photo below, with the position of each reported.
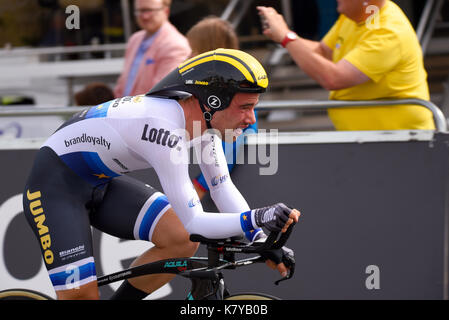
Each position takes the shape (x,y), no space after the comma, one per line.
(214,77)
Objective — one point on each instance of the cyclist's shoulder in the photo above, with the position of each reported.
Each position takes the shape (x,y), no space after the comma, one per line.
(131,108)
(131,119)
(142,106)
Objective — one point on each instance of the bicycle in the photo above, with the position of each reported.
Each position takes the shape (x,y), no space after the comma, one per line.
(204,272)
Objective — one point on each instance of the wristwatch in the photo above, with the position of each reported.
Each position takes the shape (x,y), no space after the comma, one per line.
(290,36)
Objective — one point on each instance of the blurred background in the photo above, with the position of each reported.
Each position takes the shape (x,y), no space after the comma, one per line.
(44,63)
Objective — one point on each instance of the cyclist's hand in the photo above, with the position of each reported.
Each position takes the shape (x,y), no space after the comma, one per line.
(280,259)
(276,218)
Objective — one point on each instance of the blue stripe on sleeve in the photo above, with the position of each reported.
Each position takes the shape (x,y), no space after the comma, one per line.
(245,221)
(251,234)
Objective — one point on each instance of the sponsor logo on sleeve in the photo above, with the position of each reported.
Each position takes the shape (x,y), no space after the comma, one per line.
(193,202)
(160,136)
(215,181)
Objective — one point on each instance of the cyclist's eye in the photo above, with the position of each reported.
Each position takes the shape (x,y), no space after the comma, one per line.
(246,107)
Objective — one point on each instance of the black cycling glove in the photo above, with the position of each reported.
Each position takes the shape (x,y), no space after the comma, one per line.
(273,217)
(284,254)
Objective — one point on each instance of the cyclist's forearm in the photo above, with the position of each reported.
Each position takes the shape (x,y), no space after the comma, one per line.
(220,225)
(228,198)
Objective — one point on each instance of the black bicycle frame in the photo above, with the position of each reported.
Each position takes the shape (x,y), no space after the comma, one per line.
(207,279)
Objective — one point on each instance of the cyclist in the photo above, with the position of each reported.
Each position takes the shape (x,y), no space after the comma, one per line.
(77,177)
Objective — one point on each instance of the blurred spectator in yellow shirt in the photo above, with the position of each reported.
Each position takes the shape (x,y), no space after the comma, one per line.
(371,52)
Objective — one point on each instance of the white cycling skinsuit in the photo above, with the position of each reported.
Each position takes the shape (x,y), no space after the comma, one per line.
(77,181)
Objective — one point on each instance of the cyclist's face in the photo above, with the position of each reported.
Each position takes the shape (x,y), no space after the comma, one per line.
(239,114)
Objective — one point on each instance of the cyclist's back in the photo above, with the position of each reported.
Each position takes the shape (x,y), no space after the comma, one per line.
(118,136)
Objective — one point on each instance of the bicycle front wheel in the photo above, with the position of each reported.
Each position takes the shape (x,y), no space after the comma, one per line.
(22,294)
(251,296)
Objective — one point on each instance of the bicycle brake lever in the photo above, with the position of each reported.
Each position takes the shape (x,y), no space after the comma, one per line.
(288,276)
(284,278)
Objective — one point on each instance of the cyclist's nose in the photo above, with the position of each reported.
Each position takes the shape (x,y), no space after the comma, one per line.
(251,117)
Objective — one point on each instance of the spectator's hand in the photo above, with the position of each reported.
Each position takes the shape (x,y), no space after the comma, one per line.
(277,27)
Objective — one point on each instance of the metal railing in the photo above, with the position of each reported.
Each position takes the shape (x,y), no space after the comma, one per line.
(438,116)
(427,22)
(37,52)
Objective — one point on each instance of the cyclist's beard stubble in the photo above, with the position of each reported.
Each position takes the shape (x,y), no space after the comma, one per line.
(229,130)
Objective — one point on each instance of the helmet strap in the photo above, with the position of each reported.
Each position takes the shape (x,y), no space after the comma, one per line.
(207,115)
